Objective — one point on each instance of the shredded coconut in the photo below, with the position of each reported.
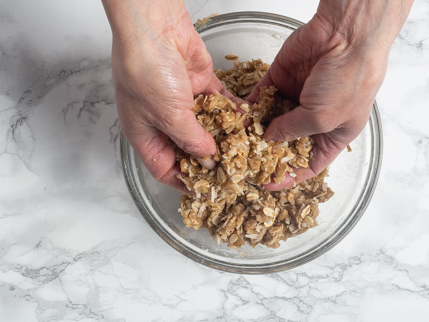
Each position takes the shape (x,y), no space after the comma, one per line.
(230,199)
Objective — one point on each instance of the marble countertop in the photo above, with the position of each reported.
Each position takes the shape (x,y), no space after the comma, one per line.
(73,246)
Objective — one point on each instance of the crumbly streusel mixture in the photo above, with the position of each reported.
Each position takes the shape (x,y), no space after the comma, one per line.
(229,199)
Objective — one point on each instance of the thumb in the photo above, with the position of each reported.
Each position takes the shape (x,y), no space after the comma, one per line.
(299,122)
(329,140)
(325,150)
(189,135)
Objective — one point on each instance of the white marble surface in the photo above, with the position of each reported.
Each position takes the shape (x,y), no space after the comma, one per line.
(73,247)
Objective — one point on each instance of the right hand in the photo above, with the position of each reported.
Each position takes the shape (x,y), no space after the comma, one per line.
(159,63)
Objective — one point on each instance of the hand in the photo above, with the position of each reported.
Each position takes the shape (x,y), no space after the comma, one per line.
(159,63)
(333,66)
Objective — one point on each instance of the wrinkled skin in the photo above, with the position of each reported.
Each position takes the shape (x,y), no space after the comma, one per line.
(159,63)
(333,66)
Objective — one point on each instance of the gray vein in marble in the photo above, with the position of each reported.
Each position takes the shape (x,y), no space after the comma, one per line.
(115,131)
(199,10)
(73,246)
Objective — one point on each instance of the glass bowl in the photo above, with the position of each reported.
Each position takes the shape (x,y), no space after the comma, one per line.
(352,176)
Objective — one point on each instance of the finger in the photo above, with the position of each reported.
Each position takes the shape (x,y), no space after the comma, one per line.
(214,86)
(184,129)
(325,150)
(280,77)
(300,122)
(157,155)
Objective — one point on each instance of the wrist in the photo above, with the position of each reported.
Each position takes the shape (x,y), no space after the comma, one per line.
(364,24)
(134,19)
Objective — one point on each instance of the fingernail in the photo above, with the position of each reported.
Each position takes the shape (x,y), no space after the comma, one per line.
(207,162)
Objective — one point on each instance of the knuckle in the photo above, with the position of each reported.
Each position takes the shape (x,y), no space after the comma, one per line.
(323,124)
(159,176)
(193,148)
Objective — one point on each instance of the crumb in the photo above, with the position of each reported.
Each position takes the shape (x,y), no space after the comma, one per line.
(201,22)
(230,200)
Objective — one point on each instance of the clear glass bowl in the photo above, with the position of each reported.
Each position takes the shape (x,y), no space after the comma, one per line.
(353,176)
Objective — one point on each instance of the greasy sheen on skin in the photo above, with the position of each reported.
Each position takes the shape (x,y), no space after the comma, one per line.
(155,47)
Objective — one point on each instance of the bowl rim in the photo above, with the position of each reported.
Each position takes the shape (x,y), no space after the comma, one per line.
(247,16)
(374,122)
